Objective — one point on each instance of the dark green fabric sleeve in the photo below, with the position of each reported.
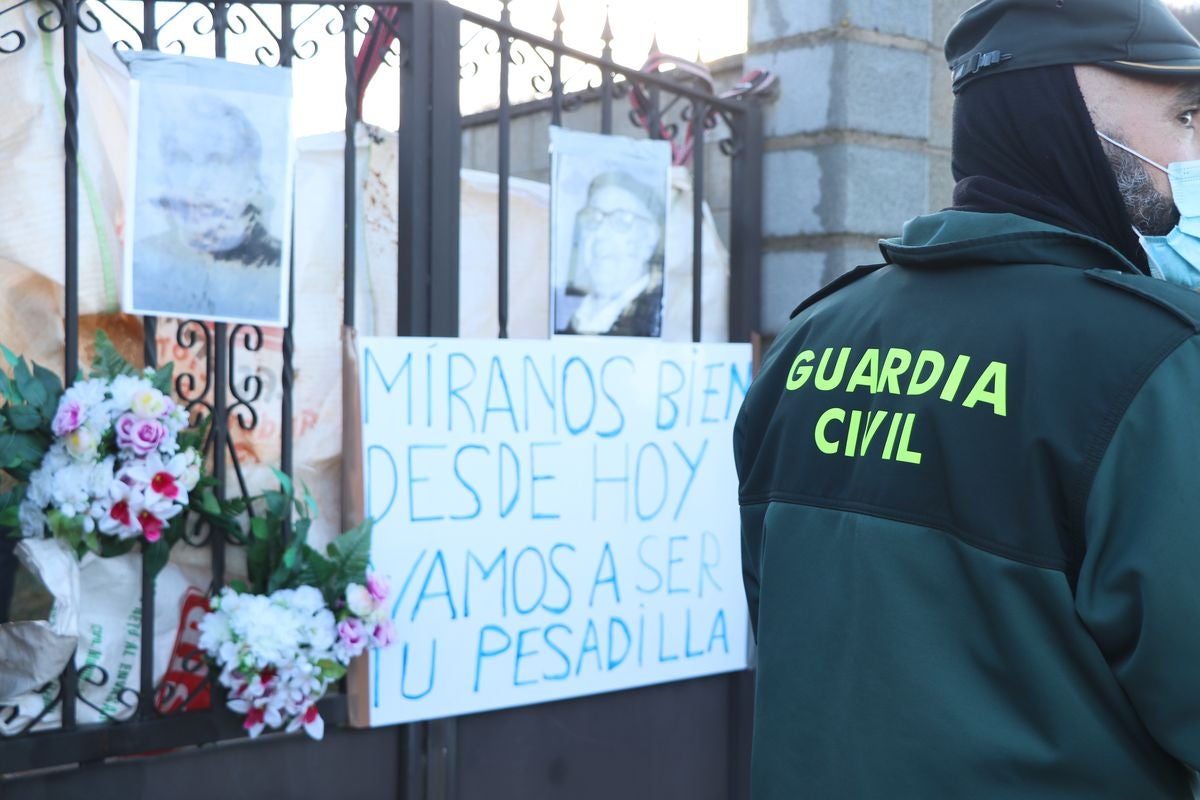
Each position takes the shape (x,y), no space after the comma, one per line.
(1138,591)
(752,537)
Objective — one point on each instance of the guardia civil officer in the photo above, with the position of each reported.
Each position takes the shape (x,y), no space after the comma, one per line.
(970,476)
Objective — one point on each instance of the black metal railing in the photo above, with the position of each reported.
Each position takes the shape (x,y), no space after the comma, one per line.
(430,37)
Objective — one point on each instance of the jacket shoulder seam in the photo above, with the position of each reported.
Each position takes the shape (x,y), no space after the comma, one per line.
(1122,283)
(954,532)
(835,285)
(1108,428)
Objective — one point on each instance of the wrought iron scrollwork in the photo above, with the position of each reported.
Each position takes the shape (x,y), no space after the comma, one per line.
(306,48)
(48,21)
(126,697)
(120,42)
(188,387)
(248,389)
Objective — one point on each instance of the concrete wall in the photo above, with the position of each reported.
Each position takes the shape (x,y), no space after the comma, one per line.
(858,139)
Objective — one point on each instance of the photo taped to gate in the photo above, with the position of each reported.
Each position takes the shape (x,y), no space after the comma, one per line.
(608,211)
(208,214)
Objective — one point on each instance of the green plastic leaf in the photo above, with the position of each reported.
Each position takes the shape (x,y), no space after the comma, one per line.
(18,448)
(9,356)
(278,505)
(209,502)
(161,379)
(318,571)
(156,555)
(110,547)
(53,387)
(9,389)
(91,540)
(24,418)
(285,483)
(310,501)
(259,564)
(239,586)
(108,363)
(331,669)
(31,389)
(350,554)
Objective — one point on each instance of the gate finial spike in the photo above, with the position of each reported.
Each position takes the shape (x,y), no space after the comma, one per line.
(558,17)
(654,49)
(607,34)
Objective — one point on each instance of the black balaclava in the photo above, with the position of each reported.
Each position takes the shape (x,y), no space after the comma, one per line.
(1024,144)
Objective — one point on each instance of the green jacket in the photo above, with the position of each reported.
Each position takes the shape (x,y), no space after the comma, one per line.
(970,498)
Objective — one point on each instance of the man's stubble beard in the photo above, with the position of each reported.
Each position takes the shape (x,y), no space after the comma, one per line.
(1151,212)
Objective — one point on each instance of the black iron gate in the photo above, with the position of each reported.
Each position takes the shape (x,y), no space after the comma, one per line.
(686,739)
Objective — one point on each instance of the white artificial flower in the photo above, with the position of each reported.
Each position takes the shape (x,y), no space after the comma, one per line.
(122,518)
(32,519)
(69,489)
(186,468)
(90,394)
(122,389)
(177,419)
(148,403)
(40,485)
(83,442)
(100,477)
(359,600)
(307,599)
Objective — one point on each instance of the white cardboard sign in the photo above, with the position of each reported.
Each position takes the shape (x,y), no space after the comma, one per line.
(558,518)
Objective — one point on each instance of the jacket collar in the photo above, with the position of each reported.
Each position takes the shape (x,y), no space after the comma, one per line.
(956,238)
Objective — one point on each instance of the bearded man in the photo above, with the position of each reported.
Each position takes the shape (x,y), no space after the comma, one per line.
(970,476)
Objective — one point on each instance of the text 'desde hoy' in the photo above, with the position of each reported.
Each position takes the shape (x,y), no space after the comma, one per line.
(558,518)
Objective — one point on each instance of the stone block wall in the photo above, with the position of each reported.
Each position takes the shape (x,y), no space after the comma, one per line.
(858,139)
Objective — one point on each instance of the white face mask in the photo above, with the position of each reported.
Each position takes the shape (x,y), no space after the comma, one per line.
(1176,256)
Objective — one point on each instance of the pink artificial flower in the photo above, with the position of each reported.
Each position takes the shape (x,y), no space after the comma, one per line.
(384,634)
(68,417)
(353,635)
(378,586)
(314,726)
(254,721)
(151,526)
(142,436)
(164,484)
(120,512)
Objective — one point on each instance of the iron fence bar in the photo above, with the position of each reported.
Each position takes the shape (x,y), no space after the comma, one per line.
(556,87)
(654,118)
(414,142)
(699,115)
(220,430)
(503,175)
(287,376)
(350,179)
(150,359)
(70,21)
(445,165)
(149,34)
(606,79)
(649,79)
(745,234)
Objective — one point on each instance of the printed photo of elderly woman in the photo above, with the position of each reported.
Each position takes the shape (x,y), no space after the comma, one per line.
(609,208)
(212,195)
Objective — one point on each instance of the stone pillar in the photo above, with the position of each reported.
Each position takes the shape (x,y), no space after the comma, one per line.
(858,141)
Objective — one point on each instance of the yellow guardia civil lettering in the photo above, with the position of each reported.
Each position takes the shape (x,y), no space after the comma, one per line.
(894,371)
(879,372)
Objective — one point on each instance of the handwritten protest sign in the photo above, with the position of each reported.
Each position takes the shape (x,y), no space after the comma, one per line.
(557,518)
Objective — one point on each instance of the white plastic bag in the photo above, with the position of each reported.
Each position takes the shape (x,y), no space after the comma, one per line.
(34,652)
(106,604)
